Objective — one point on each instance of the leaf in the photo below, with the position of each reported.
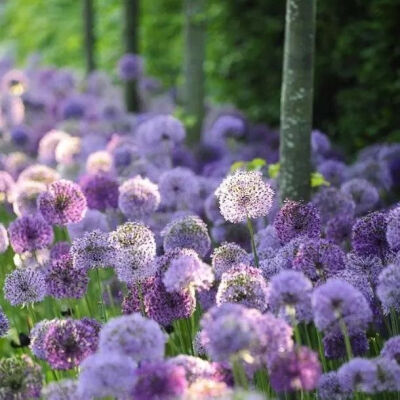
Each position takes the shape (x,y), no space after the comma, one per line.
(317,179)
(256,164)
(273,170)
(237,165)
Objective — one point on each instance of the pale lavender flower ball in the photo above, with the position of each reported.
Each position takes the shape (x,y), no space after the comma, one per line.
(330,388)
(7,185)
(267,242)
(159,380)
(298,369)
(337,300)
(388,289)
(130,67)
(68,342)
(4,323)
(26,196)
(187,232)
(66,389)
(92,220)
(387,375)
(138,198)
(363,193)
(358,375)
(135,336)
(320,143)
(244,195)
(391,349)
(63,203)
(38,173)
(48,144)
(244,285)
(375,171)
(290,296)
(29,233)
(370,266)
(37,336)
(393,229)
(227,256)
(333,171)
(106,374)
(24,286)
(4,242)
(297,219)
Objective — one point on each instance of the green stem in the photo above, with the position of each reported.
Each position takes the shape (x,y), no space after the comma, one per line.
(239,374)
(253,244)
(101,302)
(345,334)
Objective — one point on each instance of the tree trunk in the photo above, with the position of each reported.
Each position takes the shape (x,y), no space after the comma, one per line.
(297,100)
(88,23)
(131,40)
(194,54)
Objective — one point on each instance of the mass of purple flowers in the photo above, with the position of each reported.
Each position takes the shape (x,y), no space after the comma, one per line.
(136,267)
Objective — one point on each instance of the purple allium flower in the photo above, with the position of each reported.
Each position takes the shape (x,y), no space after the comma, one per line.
(23,286)
(187,232)
(65,389)
(331,202)
(224,127)
(25,197)
(138,198)
(6,187)
(358,375)
(160,134)
(244,285)
(93,250)
(59,249)
(159,380)
(179,188)
(360,280)
(130,67)
(68,151)
(4,242)
(290,296)
(330,388)
(391,349)
(134,336)
(206,298)
(160,305)
(231,331)
(63,203)
(375,171)
(297,219)
(39,173)
(48,144)
(100,190)
(267,242)
(336,301)
(92,220)
(393,229)
(319,259)
(338,229)
(387,375)
(320,143)
(363,193)
(370,266)
(185,272)
(73,108)
(4,324)
(388,289)
(333,171)
(68,342)
(211,210)
(335,347)
(237,233)
(20,378)
(136,248)
(106,374)
(99,162)
(65,280)
(227,256)
(37,336)
(298,369)
(244,195)
(369,235)
(29,233)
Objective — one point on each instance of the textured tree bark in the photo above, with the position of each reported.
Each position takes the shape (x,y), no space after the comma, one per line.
(297,100)
(90,41)
(193,70)
(131,40)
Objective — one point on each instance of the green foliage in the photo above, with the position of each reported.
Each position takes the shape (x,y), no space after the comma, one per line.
(254,165)
(317,180)
(273,170)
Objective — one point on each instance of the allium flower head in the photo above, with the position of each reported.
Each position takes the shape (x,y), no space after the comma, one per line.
(187,232)
(387,375)
(179,187)
(330,387)
(63,203)
(335,347)
(37,336)
(106,374)
(59,249)
(6,187)
(338,229)
(38,173)
(297,219)
(391,349)
(135,336)
(68,342)
(48,145)
(92,220)
(138,198)
(363,193)
(136,248)
(369,235)
(244,195)
(224,127)
(65,389)
(227,256)
(333,171)
(375,171)
(290,296)
(24,286)
(100,190)
(338,300)
(319,259)
(4,242)
(68,151)
(130,67)
(99,162)
(64,280)
(159,380)
(358,375)
(4,324)
(20,378)
(29,233)
(244,285)
(93,250)
(388,289)
(393,229)
(298,369)
(25,197)
(369,266)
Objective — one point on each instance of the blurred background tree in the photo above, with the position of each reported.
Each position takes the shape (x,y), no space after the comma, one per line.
(357,66)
